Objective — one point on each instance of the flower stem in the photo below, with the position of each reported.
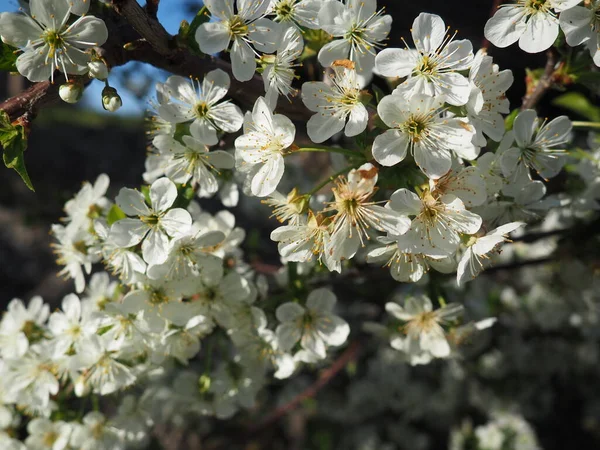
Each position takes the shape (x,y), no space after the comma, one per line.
(331,178)
(580,124)
(343,151)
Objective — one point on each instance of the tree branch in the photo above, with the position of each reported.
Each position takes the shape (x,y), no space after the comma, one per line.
(129,23)
(544,83)
(152,7)
(326,376)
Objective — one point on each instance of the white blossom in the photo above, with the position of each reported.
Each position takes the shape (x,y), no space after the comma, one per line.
(531,22)
(260,149)
(49,42)
(314,325)
(247,28)
(337,105)
(153,224)
(434,67)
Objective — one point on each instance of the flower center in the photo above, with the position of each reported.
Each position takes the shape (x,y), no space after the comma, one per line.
(237,27)
(157,297)
(427,66)
(284,10)
(537,5)
(151,220)
(53,39)
(50,438)
(201,110)
(350,205)
(80,246)
(416,128)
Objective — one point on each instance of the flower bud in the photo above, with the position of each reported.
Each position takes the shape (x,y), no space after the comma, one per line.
(71,92)
(98,70)
(111,101)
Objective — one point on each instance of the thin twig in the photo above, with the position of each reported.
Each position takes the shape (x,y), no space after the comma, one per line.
(326,376)
(543,84)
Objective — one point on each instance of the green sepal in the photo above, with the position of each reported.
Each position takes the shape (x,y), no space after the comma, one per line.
(187,31)
(114,214)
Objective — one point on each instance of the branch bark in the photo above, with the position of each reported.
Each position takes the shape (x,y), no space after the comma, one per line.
(326,376)
(544,83)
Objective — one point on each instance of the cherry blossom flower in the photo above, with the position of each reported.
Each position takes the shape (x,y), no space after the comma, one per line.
(49,42)
(153,224)
(183,102)
(314,325)
(260,149)
(361,29)
(337,105)
(246,28)
(417,124)
(531,22)
(434,67)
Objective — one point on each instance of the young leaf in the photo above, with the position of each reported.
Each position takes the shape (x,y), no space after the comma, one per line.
(8,57)
(14,142)
(579,104)
(188,32)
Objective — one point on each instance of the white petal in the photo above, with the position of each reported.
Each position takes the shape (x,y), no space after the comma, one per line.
(18,29)
(162,194)
(155,248)
(321,300)
(405,202)
(357,121)
(212,37)
(506,26)
(395,62)
(428,31)
(390,147)
(128,232)
(267,178)
(289,312)
(287,335)
(540,34)
(132,202)
(176,221)
(322,126)
(243,62)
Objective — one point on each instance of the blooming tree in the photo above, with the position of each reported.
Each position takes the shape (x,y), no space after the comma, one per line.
(434,175)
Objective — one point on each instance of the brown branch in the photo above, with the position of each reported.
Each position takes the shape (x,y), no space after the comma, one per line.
(326,376)
(129,23)
(147,26)
(534,95)
(152,7)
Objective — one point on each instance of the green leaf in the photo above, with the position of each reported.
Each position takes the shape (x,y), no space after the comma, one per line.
(579,104)
(8,58)
(379,94)
(14,142)
(510,119)
(591,80)
(188,31)
(114,214)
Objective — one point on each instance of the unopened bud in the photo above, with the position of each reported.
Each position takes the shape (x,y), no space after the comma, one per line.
(111,100)
(70,92)
(98,70)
